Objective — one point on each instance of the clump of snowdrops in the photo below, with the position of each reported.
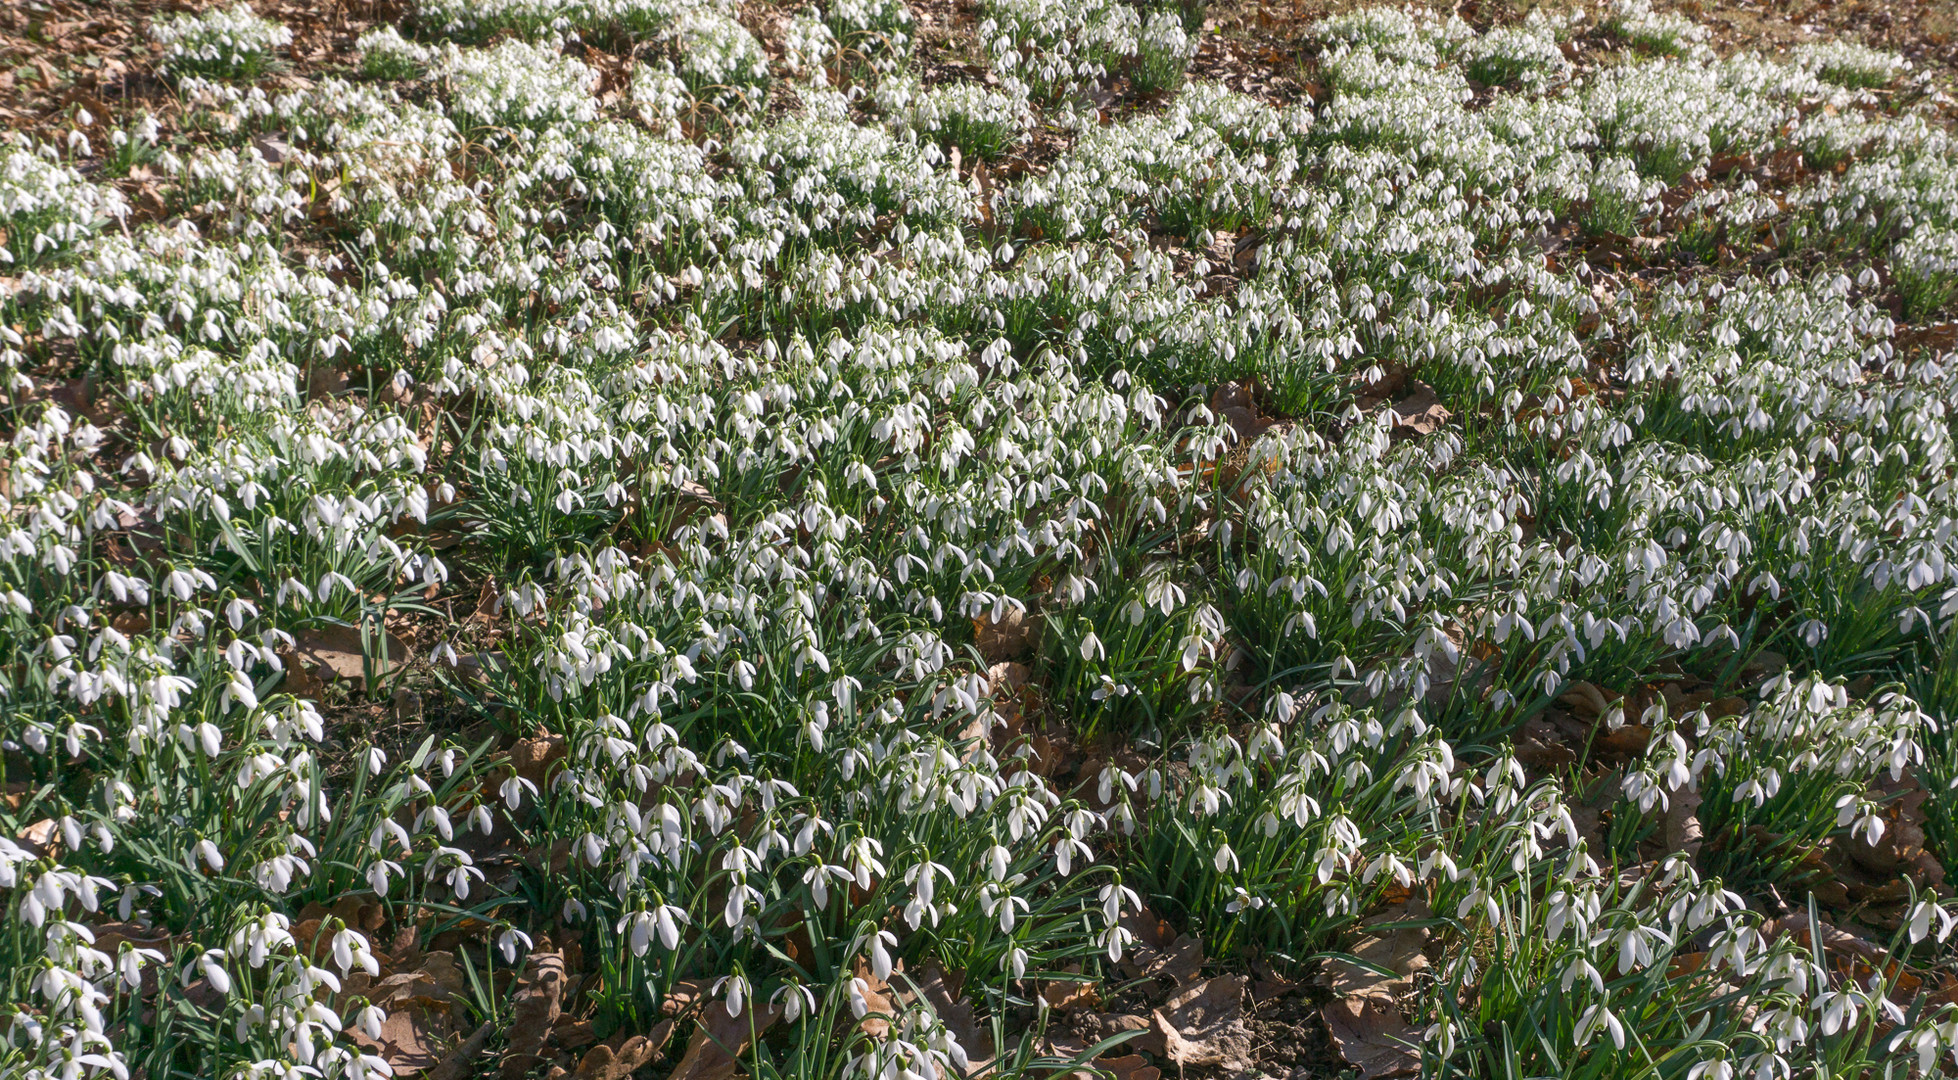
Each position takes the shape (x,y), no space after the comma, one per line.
(232,43)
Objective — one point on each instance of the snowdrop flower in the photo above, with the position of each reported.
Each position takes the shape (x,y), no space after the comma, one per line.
(369,1019)
(211,965)
(509,941)
(378,876)
(1711,1069)
(1599,1018)
(1922,916)
(795,1000)
(1242,901)
(880,942)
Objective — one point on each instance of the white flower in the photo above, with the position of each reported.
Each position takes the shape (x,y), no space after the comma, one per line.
(1594,1019)
(509,942)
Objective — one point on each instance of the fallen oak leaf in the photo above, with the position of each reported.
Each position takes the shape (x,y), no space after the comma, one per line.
(456,1065)
(719,1039)
(992,729)
(405,1042)
(532,758)
(1851,956)
(337,651)
(42,838)
(1182,960)
(1684,964)
(1387,948)
(1683,829)
(1946,993)
(437,980)
(1203,1024)
(1901,846)
(1158,950)
(943,993)
(1236,404)
(602,1062)
(1539,745)
(1063,1055)
(685,996)
(1129,1067)
(1421,413)
(1585,699)
(1064,995)
(870,1001)
(1100,1027)
(1371,1036)
(571,1034)
(536,1011)
(440,967)
(1147,929)
(1005,638)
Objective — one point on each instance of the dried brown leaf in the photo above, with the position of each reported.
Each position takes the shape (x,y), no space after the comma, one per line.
(1005,638)
(1099,1027)
(1372,1037)
(533,758)
(1203,1024)
(945,994)
(1585,700)
(1129,1067)
(686,995)
(1385,945)
(334,651)
(719,1039)
(1901,848)
(604,1062)
(440,967)
(1064,995)
(877,1006)
(539,1002)
(460,1062)
(40,838)
(1181,960)
(1683,830)
(1421,413)
(571,1034)
(1540,745)
(1236,404)
(406,1041)
(1150,930)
